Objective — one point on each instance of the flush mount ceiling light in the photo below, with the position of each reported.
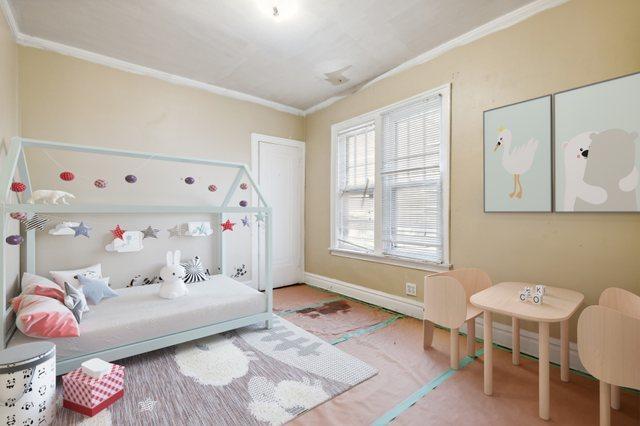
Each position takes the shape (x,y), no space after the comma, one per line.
(279,10)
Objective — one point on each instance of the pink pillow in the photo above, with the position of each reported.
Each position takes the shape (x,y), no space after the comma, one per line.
(28,279)
(47,289)
(41,316)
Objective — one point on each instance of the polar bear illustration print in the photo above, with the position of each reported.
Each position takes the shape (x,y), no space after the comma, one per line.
(576,154)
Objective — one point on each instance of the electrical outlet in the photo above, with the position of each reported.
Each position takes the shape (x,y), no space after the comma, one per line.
(410,289)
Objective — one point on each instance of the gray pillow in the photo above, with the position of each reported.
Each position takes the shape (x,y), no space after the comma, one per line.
(96,289)
(75,301)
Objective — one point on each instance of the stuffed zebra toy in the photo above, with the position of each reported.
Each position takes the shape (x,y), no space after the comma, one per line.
(194,271)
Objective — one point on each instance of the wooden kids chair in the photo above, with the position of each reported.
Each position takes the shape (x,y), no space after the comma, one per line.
(629,304)
(608,346)
(446,303)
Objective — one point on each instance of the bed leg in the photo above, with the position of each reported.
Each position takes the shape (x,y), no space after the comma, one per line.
(268,324)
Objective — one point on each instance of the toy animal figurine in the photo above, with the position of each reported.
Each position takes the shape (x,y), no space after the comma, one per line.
(49,196)
(172,275)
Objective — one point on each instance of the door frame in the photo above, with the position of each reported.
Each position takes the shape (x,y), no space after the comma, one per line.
(256,138)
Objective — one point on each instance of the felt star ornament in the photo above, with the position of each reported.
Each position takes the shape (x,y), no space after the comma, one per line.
(259,217)
(245,221)
(81,229)
(150,232)
(227,226)
(118,232)
(174,232)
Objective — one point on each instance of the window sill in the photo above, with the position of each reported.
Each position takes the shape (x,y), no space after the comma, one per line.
(390,260)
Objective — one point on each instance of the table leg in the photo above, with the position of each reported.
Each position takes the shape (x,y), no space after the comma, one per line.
(543,370)
(515,341)
(488,352)
(605,398)
(564,351)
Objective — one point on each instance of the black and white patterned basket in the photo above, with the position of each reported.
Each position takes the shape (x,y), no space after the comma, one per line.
(28,384)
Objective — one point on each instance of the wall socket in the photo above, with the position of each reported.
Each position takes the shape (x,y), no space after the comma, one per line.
(410,289)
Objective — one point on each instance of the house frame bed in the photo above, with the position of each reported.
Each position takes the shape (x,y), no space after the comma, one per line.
(16,159)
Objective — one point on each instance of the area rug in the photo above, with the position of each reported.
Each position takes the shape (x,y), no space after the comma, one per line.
(250,376)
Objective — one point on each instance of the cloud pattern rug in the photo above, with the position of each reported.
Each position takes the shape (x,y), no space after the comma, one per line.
(250,376)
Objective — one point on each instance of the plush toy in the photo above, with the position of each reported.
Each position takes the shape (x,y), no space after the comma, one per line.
(46,196)
(172,275)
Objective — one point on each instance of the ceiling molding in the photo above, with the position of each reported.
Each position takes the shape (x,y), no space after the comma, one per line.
(40,43)
(490,27)
(11,21)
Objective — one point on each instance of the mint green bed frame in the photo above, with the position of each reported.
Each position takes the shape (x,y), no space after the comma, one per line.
(15,159)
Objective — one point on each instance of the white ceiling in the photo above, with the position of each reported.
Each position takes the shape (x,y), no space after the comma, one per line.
(235,44)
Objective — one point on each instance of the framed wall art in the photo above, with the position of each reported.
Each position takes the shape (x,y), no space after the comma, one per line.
(517,157)
(597,148)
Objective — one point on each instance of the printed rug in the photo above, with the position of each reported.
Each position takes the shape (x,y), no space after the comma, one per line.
(250,376)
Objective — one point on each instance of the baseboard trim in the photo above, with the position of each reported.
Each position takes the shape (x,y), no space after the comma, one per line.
(414,308)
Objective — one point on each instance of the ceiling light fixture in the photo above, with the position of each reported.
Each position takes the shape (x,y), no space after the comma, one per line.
(279,10)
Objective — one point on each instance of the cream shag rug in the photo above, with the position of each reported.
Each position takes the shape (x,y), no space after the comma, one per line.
(245,377)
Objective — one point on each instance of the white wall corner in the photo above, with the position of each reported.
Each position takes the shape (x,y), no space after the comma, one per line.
(414,308)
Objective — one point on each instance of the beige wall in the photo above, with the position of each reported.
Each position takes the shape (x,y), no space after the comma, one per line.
(581,42)
(9,126)
(70,100)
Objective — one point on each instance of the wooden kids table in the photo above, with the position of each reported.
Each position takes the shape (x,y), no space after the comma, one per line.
(558,305)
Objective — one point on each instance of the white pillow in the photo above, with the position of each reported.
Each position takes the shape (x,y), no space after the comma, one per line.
(60,277)
(28,279)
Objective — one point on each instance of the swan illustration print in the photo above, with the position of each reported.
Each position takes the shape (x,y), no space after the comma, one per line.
(517,160)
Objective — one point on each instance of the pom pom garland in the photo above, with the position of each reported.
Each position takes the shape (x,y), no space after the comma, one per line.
(100,183)
(67,176)
(18,187)
(131,178)
(243,186)
(14,240)
(213,188)
(189,180)
(243,203)
(21,216)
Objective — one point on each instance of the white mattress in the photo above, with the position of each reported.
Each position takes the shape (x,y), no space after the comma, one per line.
(138,313)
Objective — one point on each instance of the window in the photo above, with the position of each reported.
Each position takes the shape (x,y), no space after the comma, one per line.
(391,183)
(356,174)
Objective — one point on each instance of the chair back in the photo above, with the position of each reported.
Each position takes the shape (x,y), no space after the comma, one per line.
(609,344)
(472,280)
(445,301)
(621,300)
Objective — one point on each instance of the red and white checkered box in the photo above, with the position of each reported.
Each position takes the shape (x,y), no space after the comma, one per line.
(89,396)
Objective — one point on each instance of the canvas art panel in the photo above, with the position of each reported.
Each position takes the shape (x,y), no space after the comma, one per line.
(597,157)
(517,157)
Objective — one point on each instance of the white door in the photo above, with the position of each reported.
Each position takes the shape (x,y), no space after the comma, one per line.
(279,167)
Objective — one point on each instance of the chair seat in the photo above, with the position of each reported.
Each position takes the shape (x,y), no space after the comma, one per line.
(472,311)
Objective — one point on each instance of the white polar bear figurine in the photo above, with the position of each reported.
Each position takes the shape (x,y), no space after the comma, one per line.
(576,152)
(52,196)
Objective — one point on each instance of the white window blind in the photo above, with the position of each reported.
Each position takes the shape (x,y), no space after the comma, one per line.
(411,180)
(356,172)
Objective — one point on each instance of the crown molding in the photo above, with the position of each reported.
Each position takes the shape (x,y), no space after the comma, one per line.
(40,43)
(11,21)
(498,24)
(491,27)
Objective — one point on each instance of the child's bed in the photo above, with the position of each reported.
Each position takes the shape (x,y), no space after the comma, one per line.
(139,320)
(139,316)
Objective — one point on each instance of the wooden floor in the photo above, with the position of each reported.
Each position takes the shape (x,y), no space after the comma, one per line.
(392,343)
